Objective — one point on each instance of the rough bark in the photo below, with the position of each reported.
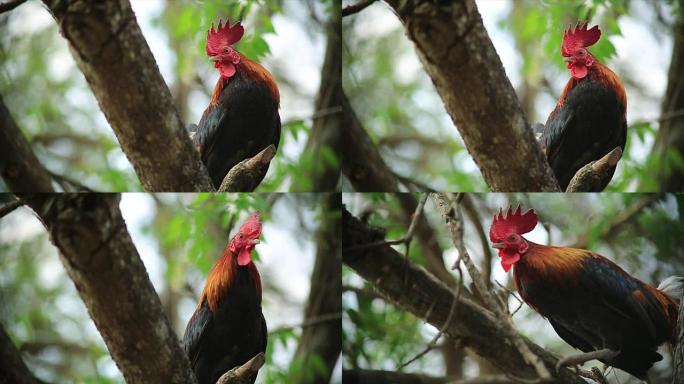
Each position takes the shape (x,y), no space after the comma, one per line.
(327,124)
(324,339)
(678,360)
(12,367)
(458,55)
(671,132)
(100,257)
(424,296)
(362,163)
(19,166)
(109,48)
(246,175)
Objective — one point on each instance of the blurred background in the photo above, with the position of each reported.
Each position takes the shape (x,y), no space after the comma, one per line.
(413,132)
(52,104)
(640,232)
(179,238)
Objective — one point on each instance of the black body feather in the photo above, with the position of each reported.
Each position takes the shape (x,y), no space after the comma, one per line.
(590,123)
(243,121)
(236,332)
(603,307)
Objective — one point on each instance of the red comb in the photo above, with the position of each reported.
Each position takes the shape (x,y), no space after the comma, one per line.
(579,37)
(252,225)
(512,223)
(223,36)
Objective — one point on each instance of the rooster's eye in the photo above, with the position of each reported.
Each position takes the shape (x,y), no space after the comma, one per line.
(225,49)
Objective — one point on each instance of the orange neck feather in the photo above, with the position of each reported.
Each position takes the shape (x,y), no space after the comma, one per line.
(253,70)
(602,74)
(221,278)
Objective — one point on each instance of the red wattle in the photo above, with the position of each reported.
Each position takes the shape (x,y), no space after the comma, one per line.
(244,257)
(578,71)
(508,259)
(227,70)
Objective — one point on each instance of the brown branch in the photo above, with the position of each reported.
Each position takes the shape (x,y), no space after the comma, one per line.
(678,355)
(109,48)
(100,257)
(384,268)
(323,339)
(10,5)
(455,49)
(594,176)
(455,225)
(10,206)
(13,369)
(362,163)
(357,7)
(246,175)
(327,125)
(624,217)
(19,166)
(244,373)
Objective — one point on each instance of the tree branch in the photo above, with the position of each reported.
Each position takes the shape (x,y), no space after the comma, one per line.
(678,359)
(13,369)
(110,50)
(100,257)
(323,339)
(458,55)
(594,176)
(617,223)
(356,8)
(244,373)
(327,127)
(384,268)
(10,5)
(246,175)
(362,163)
(19,166)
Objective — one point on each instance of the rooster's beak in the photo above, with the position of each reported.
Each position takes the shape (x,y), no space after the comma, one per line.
(214,58)
(255,241)
(567,59)
(498,245)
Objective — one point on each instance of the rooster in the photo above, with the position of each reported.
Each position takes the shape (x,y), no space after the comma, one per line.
(228,327)
(592,303)
(242,117)
(590,118)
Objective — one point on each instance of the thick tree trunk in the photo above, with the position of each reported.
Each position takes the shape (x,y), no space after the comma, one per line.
(670,138)
(19,166)
(458,55)
(386,269)
(678,363)
(327,124)
(110,50)
(362,164)
(101,259)
(323,340)
(12,367)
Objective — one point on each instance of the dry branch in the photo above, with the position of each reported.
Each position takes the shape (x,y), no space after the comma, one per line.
(481,330)
(455,49)
(109,48)
(19,166)
(244,373)
(246,175)
(456,226)
(593,176)
(100,257)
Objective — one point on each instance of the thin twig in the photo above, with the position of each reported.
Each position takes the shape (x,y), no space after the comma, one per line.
(65,181)
(309,322)
(10,5)
(7,208)
(243,373)
(455,225)
(356,8)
